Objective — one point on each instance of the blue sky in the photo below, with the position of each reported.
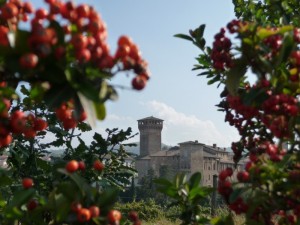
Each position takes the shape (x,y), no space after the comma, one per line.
(174,92)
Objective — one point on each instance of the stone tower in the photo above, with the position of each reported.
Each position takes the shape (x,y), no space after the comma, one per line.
(150,135)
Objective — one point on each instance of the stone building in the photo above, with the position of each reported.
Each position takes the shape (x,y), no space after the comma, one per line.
(189,157)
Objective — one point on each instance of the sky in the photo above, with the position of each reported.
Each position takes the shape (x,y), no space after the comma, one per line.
(174,93)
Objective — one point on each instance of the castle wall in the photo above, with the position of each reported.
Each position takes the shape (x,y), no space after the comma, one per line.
(142,166)
(172,162)
(190,158)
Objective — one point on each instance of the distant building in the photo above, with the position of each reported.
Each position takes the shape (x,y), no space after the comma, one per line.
(188,157)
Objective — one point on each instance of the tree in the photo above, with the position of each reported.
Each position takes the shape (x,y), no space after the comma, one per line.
(63,58)
(256,59)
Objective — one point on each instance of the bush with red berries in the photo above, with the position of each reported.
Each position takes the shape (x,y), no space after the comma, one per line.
(64,56)
(256,59)
(58,58)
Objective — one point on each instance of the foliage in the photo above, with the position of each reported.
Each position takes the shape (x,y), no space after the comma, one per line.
(256,59)
(188,195)
(54,187)
(64,55)
(148,210)
(55,73)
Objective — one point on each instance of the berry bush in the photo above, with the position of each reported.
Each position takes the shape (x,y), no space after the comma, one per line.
(55,73)
(256,59)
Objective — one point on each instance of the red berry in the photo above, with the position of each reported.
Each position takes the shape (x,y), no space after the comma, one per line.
(29,61)
(95,211)
(83,10)
(114,216)
(29,133)
(9,10)
(98,165)
(76,206)
(40,124)
(79,41)
(124,40)
(83,55)
(41,13)
(72,166)
(139,82)
(32,204)
(83,215)
(17,122)
(27,7)
(133,216)
(69,123)
(27,183)
(243,176)
(81,165)
(5,140)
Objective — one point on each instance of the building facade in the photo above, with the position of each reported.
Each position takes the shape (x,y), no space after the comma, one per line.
(189,157)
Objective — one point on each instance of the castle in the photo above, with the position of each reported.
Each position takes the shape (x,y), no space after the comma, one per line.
(189,157)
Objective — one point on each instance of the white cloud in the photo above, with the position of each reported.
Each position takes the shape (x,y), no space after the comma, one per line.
(179,127)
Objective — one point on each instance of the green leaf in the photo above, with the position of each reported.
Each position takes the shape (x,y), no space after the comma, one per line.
(200,31)
(237,192)
(100,110)
(234,75)
(21,197)
(21,44)
(180,179)
(286,49)
(195,180)
(184,36)
(171,192)
(62,207)
(5,180)
(263,33)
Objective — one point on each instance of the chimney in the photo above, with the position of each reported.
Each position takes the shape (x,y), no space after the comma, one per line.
(214,145)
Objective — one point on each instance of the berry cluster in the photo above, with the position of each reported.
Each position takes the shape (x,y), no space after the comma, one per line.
(278,110)
(220,55)
(273,44)
(84,214)
(225,189)
(130,56)
(295,64)
(69,33)
(224,185)
(18,123)
(73,165)
(257,173)
(65,113)
(234,26)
